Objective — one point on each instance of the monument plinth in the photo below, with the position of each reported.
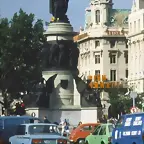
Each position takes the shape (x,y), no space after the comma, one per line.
(60,56)
(59,62)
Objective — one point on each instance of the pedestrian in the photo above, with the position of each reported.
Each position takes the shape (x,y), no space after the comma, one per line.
(66,128)
(80,123)
(46,120)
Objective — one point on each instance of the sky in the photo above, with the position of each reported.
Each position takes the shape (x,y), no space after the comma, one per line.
(40,8)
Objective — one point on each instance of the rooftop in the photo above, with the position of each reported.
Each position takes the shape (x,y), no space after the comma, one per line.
(117,18)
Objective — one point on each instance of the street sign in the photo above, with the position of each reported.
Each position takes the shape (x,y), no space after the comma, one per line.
(133,94)
(134,109)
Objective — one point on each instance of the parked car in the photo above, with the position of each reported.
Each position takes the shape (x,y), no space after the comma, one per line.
(79,134)
(8,125)
(101,135)
(40,133)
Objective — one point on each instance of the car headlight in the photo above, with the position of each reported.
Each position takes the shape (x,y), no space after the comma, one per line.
(37,141)
(62,141)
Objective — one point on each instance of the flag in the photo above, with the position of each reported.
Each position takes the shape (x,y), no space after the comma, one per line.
(80,84)
(50,84)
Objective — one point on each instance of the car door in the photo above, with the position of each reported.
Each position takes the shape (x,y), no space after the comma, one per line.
(94,139)
(117,133)
(20,133)
(85,131)
(104,133)
(101,137)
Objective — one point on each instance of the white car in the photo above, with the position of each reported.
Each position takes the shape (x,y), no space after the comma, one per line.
(40,133)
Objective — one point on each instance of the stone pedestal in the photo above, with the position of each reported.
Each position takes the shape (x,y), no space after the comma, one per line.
(60,96)
(74,114)
(64,31)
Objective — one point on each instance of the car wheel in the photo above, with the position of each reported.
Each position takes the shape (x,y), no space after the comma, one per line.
(86,142)
(81,141)
(102,142)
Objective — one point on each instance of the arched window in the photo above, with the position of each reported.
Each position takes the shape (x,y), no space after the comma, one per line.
(97,16)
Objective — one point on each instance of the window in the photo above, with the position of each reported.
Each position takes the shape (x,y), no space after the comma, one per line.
(113,75)
(85,60)
(126,73)
(126,43)
(113,58)
(103,130)
(89,59)
(110,128)
(97,16)
(126,58)
(97,43)
(134,26)
(139,25)
(130,26)
(40,129)
(87,128)
(96,131)
(97,59)
(85,74)
(97,72)
(119,122)
(112,43)
(20,130)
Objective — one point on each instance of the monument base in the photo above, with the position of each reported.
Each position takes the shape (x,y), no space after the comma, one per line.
(63,92)
(73,114)
(62,30)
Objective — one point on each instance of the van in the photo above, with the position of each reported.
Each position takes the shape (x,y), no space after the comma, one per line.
(129,129)
(8,125)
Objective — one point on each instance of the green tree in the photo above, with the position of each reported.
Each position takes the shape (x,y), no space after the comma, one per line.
(21,41)
(121,103)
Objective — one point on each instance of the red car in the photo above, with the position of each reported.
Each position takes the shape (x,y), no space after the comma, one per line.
(79,134)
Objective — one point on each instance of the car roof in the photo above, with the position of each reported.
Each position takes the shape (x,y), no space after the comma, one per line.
(106,124)
(29,124)
(24,117)
(89,123)
(134,114)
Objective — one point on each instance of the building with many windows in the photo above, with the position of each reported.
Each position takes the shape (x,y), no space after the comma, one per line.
(102,42)
(136,46)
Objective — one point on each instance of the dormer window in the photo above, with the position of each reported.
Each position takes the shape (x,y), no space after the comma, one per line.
(126,20)
(97,16)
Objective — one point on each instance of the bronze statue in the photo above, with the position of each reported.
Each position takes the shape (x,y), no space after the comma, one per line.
(74,56)
(53,55)
(58,9)
(63,54)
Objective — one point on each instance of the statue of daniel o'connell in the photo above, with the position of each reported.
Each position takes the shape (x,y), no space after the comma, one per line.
(58,9)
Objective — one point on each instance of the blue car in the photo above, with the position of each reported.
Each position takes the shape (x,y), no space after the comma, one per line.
(40,133)
(129,129)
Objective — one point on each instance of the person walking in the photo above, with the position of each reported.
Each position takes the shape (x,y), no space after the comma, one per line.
(66,129)
(46,120)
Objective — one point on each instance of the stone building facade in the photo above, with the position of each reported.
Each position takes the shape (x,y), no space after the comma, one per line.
(102,42)
(136,46)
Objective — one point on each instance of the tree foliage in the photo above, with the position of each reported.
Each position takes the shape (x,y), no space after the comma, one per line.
(21,41)
(121,103)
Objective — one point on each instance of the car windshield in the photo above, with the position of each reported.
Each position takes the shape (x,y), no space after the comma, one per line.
(49,129)
(111,127)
